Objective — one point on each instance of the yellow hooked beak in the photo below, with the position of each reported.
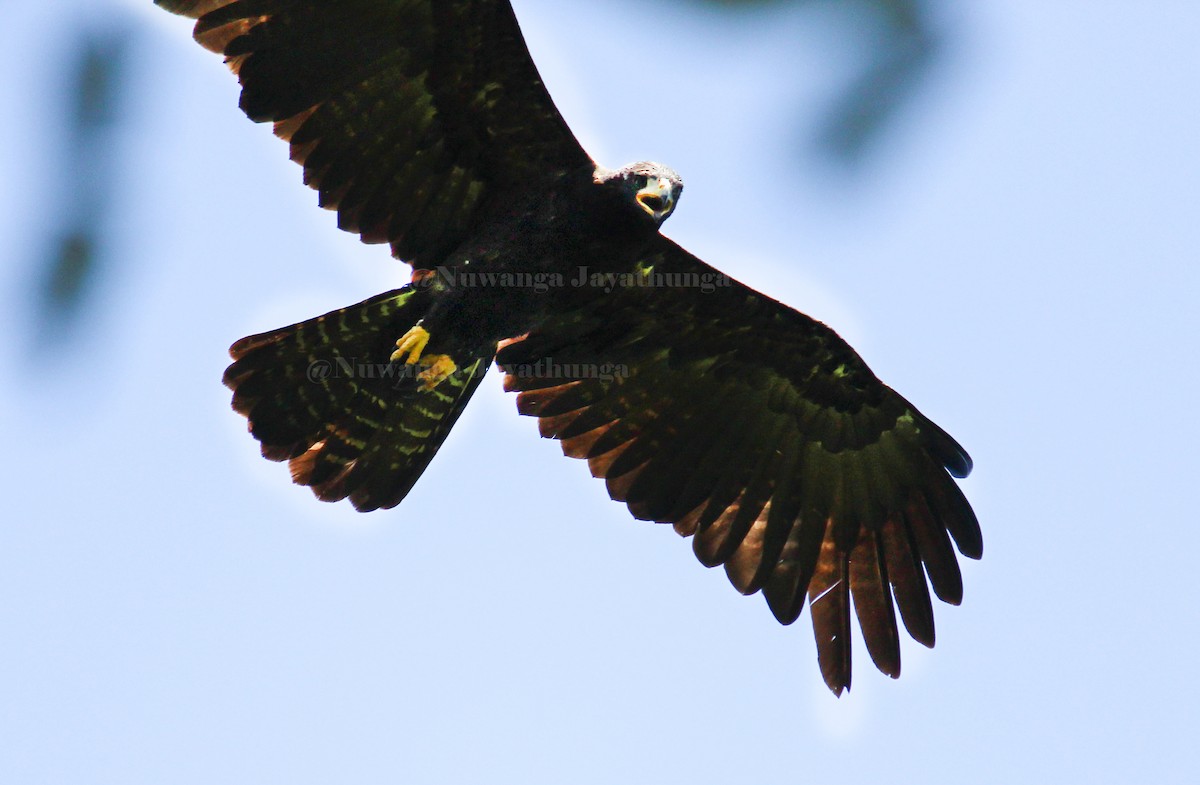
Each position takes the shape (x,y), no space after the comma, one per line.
(657,198)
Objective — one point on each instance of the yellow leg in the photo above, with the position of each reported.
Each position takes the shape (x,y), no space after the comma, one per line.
(411,343)
(437,366)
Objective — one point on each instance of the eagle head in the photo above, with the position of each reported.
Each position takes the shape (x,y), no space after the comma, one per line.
(652,188)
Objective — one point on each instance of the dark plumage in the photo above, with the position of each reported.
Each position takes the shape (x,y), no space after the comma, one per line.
(749,426)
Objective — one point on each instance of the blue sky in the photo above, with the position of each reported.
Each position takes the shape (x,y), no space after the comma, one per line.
(1019,259)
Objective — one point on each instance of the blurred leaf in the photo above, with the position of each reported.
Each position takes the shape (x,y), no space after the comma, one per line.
(71,268)
(83,176)
(905,52)
(899,38)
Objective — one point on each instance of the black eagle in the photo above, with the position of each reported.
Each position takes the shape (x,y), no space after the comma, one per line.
(702,403)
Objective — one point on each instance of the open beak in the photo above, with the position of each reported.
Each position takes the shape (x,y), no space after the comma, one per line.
(657,198)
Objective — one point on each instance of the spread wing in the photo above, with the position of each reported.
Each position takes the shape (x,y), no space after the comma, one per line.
(410,118)
(760,433)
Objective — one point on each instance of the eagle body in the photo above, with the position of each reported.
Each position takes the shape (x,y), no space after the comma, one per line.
(539,255)
(747,426)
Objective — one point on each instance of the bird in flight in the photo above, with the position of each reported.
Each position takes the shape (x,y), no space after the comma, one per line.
(702,403)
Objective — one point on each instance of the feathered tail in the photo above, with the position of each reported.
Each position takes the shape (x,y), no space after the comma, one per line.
(323,395)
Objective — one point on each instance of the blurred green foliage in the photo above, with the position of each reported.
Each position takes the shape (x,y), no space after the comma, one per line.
(83,177)
(900,42)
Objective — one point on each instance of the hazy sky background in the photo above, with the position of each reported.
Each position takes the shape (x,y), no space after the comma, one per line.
(1019,259)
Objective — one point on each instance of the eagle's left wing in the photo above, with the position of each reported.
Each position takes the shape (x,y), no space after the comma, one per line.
(761,433)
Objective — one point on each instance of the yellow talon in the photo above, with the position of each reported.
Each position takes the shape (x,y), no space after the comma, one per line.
(437,368)
(412,343)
